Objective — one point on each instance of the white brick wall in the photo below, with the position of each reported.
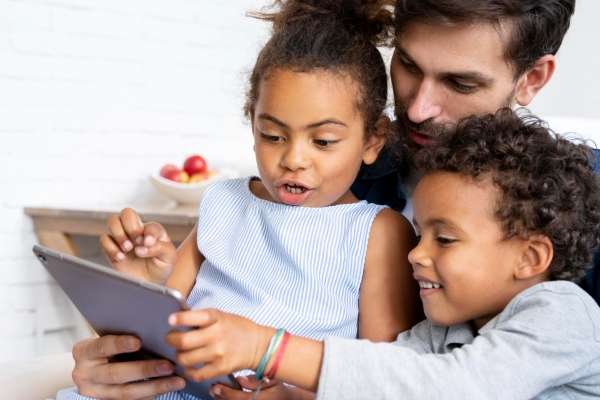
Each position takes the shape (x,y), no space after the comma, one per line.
(94,95)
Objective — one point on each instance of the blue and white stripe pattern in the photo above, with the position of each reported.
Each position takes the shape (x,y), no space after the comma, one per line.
(298,268)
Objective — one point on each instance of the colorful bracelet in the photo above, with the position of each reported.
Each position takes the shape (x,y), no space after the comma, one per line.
(273,345)
(278,356)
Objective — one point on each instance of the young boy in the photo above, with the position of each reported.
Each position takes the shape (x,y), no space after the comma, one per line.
(508,217)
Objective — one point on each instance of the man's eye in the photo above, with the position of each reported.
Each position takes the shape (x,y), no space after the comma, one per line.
(271,138)
(461,87)
(324,143)
(407,65)
(444,240)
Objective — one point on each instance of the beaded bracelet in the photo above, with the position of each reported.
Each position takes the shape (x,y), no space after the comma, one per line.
(273,345)
(278,356)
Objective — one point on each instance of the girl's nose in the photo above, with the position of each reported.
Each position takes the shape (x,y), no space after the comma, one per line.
(296,157)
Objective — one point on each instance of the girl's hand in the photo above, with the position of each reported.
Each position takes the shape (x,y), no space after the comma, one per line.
(222,344)
(141,250)
(274,390)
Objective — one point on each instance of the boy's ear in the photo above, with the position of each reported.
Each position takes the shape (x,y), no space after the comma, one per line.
(537,256)
(534,79)
(376,140)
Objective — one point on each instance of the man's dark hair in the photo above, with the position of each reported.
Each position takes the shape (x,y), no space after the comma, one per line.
(547,183)
(537,26)
(339,36)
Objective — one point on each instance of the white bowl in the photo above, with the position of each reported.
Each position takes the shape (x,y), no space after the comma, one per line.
(187,193)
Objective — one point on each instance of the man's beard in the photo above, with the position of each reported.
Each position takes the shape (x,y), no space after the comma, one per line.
(404,148)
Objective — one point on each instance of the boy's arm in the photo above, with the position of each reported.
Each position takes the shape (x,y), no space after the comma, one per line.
(389,297)
(540,342)
(187,265)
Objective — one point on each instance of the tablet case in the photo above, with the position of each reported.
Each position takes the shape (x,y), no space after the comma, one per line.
(114,303)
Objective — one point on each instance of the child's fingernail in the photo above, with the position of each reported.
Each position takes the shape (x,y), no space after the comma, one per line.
(164,368)
(120,256)
(178,384)
(216,390)
(172,319)
(127,245)
(149,241)
(141,251)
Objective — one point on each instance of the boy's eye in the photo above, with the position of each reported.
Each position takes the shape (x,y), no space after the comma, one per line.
(445,240)
(324,142)
(271,138)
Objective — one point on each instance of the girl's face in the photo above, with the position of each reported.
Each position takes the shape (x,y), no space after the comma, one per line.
(309,138)
(464,263)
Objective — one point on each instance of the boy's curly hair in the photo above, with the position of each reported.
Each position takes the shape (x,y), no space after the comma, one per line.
(547,182)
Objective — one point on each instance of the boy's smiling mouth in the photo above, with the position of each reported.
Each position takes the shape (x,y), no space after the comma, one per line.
(429,285)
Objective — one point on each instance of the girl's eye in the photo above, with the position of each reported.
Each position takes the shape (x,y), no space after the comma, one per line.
(444,240)
(271,138)
(324,143)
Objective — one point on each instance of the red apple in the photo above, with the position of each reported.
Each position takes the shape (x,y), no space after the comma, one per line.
(177,175)
(195,164)
(167,168)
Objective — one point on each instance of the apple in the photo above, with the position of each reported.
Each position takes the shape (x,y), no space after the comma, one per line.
(202,176)
(176,175)
(167,168)
(195,164)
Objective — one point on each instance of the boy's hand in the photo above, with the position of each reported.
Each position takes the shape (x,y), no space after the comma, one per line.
(222,344)
(142,250)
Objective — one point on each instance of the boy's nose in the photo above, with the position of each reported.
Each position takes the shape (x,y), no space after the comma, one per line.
(418,256)
(424,104)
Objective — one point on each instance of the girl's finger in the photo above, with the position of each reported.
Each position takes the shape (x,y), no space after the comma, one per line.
(111,249)
(164,253)
(198,318)
(224,392)
(132,225)
(118,234)
(184,341)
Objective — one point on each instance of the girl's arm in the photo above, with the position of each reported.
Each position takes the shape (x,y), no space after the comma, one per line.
(389,296)
(187,265)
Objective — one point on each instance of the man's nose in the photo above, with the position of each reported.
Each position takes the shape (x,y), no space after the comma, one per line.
(425,103)
(296,156)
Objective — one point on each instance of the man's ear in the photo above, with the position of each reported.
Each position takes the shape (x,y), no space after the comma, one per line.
(534,79)
(537,256)
(376,140)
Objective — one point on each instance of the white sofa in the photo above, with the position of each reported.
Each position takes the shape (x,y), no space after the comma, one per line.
(37,378)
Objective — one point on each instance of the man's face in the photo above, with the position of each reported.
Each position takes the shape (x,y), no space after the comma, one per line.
(441,74)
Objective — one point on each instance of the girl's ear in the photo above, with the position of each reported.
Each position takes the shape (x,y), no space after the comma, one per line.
(536,258)
(376,140)
(534,79)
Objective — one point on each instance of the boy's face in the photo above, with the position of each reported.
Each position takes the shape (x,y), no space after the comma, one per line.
(309,138)
(463,249)
(441,74)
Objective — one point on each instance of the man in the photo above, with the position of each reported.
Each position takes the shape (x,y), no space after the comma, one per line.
(452,59)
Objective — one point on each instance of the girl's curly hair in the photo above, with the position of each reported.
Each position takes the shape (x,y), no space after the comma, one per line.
(548,183)
(333,35)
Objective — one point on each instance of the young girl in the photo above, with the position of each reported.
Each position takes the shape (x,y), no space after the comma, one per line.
(295,248)
(508,218)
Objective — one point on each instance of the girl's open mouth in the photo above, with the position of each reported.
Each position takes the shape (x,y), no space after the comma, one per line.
(293,194)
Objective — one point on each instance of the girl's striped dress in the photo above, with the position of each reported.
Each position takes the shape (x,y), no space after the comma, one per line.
(298,268)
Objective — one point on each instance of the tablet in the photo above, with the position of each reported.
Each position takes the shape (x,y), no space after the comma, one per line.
(114,303)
